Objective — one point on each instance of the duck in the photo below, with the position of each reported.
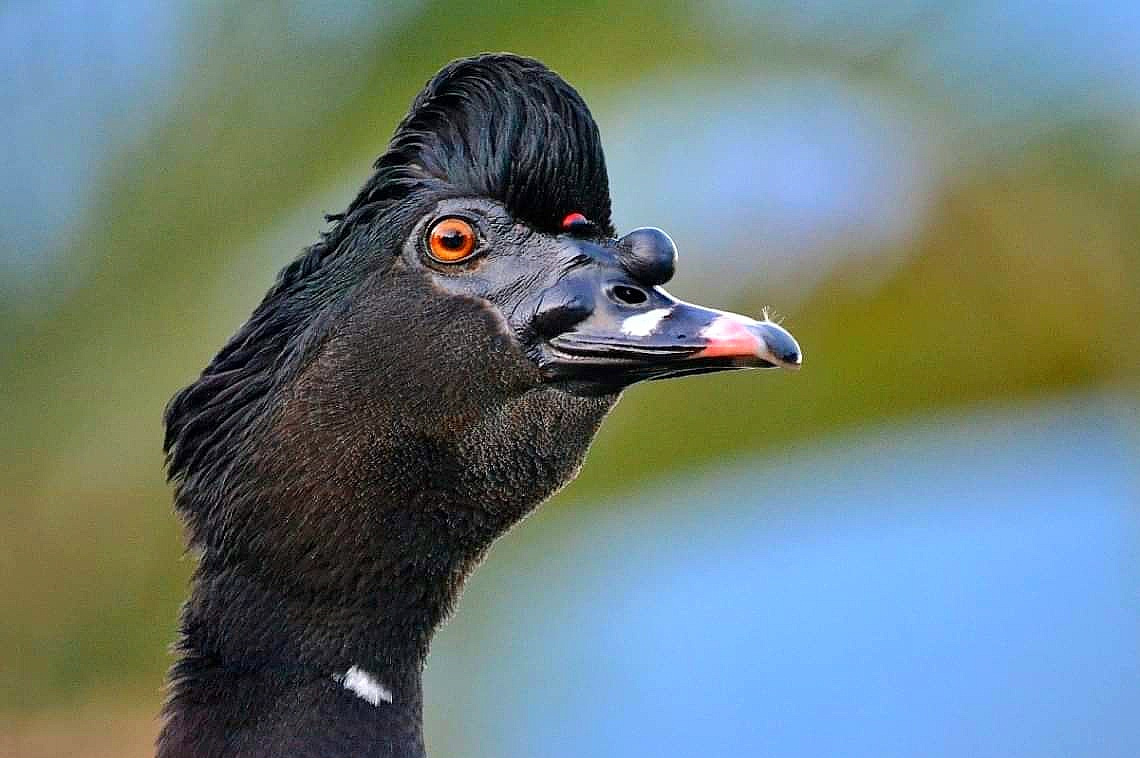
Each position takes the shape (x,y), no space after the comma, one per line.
(410,387)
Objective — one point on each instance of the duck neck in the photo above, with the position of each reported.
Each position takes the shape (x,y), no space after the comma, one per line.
(317,639)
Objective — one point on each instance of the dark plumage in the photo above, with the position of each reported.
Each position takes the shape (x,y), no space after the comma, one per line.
(385,413)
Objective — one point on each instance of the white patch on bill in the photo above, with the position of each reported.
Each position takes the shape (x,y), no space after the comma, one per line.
(644,324)
(365,686)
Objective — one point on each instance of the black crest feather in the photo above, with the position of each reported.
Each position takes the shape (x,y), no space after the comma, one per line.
(503,127)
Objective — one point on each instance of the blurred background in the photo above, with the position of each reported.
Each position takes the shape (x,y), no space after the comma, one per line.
(924,543)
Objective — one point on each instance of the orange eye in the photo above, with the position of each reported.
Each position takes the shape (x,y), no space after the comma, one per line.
(451,240)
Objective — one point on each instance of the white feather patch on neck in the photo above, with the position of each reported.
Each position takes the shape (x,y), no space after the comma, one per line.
(365,686)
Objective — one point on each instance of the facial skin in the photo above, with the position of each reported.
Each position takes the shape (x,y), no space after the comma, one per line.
(587,310)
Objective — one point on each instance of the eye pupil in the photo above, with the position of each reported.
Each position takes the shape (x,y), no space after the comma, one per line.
(452,240)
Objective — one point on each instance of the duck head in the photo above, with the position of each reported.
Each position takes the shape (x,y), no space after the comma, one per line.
(494,191)
(478,269)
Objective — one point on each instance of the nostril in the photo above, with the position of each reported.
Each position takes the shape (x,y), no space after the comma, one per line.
(626,295)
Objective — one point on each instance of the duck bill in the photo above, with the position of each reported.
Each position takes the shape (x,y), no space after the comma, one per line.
(670,339)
